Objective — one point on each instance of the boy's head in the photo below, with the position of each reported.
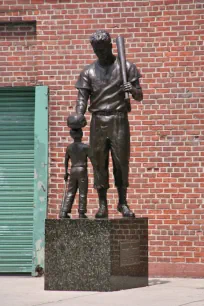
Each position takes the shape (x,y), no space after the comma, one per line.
(76,134)
(76,121)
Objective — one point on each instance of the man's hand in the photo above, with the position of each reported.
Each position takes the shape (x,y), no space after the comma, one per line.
(127,87)
(136,92)
(66,176)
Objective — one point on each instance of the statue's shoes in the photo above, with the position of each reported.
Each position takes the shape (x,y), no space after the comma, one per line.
(102,212)
(82,216)
(64,215)
(126,212)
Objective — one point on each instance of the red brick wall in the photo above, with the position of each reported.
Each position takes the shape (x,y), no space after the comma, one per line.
(165,40)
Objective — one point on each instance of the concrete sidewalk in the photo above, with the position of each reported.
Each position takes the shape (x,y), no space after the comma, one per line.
(28,291)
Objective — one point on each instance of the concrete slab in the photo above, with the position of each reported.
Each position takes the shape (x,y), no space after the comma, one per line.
(28,291)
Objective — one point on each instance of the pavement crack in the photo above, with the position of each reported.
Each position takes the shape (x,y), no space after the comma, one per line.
(191,303)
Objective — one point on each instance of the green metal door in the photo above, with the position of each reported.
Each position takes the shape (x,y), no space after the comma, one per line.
(17,112)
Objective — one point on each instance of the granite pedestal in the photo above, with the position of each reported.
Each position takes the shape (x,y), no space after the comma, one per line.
(96,255)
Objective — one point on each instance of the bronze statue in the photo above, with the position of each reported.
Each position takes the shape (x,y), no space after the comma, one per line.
(78,179)
(102,83)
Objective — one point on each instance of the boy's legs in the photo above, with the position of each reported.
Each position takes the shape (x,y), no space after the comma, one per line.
(71,192)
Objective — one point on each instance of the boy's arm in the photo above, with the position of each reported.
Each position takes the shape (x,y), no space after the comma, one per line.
(66,162)
(89,154)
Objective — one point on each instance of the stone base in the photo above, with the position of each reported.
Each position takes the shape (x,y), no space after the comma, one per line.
(96,255)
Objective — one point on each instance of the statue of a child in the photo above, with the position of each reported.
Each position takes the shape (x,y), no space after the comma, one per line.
(78,153)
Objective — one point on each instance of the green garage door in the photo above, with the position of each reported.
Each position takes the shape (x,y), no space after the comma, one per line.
(17,112)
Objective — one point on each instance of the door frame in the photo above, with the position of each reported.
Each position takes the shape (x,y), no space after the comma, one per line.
(40,176)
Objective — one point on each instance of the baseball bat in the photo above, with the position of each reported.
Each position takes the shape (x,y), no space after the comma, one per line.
(120,42)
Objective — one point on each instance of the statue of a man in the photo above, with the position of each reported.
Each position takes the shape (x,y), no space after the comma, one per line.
(101,82)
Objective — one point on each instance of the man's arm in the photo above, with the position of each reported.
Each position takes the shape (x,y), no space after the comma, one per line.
(82,100)
(135,89)
(133,84)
